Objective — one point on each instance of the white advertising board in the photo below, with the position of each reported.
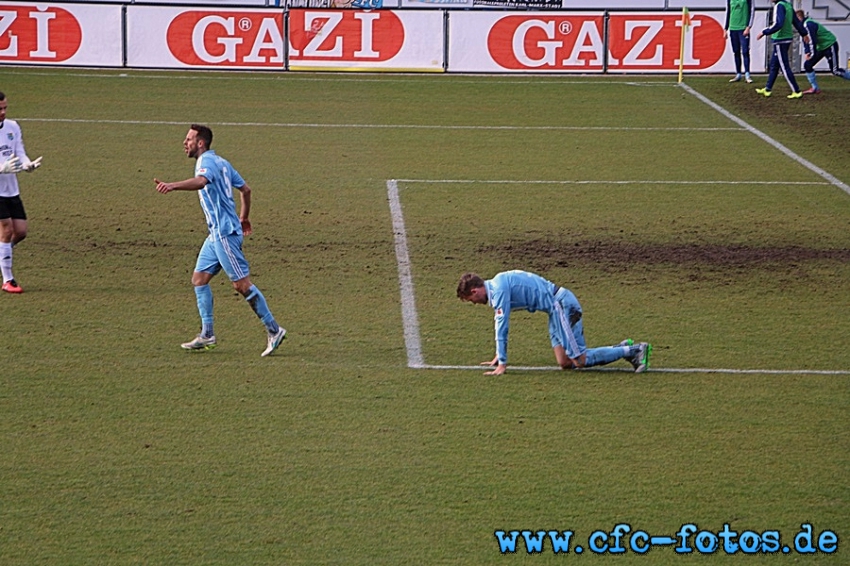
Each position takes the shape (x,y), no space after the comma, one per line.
(389,40)
(541,42)
(648,42)
(439,4)
(60,34)
(526,42)
(169,37)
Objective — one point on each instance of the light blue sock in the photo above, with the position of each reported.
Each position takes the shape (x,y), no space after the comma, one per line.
(205,307)
(812,76)
(258,303)
(605,355)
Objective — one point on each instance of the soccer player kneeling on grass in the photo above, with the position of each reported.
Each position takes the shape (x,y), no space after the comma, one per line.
(520,290)
(214,180)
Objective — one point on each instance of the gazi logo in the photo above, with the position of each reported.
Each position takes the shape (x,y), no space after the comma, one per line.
(344,35)
(252,39)
(652,42)
(546,42)
(38,34)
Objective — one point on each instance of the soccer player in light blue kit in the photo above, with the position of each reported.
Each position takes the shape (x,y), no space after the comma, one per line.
(215,178)
(520,290)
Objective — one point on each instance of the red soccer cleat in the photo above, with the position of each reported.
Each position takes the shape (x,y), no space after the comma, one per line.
(11,286)
(812,91)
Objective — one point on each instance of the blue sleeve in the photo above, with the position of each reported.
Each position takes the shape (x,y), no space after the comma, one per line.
(501,302)
(752,7)
(236,180)
(204,168)
(779,12)
(728,14)
(812,28)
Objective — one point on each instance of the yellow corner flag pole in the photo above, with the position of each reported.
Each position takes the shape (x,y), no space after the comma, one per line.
(686,23)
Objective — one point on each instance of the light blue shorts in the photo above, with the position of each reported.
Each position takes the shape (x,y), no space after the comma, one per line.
(226,254)
(561,332)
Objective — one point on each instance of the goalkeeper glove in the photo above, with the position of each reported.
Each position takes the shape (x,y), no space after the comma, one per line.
(31,166)
(12,165)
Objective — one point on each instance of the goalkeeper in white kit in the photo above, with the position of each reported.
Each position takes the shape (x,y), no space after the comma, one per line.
(13,217)
(520,290)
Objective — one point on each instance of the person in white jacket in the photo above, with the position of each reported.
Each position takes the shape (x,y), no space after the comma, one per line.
(13,218)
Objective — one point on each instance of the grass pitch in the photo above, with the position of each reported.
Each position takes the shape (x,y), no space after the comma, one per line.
(671,224)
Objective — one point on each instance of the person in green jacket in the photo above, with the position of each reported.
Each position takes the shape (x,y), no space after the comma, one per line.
(822,43)
(739,20)
(785,21)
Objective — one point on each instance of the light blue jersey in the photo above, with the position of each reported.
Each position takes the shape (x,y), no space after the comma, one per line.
(217,197)
(519,290)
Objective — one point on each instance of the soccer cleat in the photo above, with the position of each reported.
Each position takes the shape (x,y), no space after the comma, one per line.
(812,90)
(11,286)
(200,343)
(626,342)
(764,91)
(640,361)
(735,79)
(795,95)
(274,341)
(748,78)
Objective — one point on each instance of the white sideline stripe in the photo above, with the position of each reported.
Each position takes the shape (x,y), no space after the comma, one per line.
(804,162)
(655,370)
(410,319)
(596,182)
(377,126)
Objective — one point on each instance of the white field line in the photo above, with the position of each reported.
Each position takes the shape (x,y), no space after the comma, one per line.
(769,140)
(378,126)
(410,317)
(656,370)
(597,182)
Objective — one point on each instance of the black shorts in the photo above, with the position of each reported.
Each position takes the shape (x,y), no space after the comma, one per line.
(12,207)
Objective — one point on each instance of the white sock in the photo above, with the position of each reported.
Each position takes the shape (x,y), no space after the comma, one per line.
(6,261)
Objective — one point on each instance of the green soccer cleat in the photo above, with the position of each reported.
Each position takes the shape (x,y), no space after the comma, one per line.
(795,95)
(640,361)
(763,91)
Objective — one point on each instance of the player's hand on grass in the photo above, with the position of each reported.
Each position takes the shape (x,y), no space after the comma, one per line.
(247,230)
(11,165)
(31,166)
(500,369)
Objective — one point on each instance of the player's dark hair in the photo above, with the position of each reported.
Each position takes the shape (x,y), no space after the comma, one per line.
(2,97)
(204,133)
(468,282)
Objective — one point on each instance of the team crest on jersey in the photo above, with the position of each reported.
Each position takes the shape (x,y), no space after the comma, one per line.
(11,136)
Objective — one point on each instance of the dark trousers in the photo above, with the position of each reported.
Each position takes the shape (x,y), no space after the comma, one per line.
(779,62)
(740,49)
